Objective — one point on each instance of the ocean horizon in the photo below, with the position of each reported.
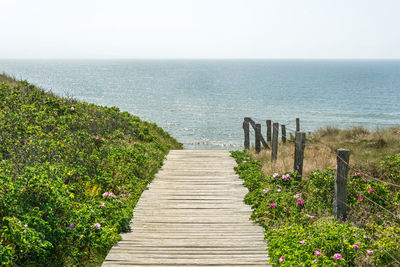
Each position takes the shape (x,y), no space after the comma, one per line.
(202,103)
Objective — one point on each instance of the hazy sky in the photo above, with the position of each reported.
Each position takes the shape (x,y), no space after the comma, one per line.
(200,29)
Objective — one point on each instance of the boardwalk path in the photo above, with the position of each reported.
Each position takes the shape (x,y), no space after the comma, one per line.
(192,215)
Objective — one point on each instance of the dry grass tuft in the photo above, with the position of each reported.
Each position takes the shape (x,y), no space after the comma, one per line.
(315,157)
(367,149)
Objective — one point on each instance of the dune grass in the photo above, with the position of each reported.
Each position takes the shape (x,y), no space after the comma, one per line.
(367,150)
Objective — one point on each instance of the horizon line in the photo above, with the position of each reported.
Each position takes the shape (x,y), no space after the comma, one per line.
(194,58)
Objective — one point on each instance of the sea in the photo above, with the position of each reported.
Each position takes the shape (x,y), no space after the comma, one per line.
(202,103)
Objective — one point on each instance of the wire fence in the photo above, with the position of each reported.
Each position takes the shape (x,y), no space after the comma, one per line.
(387,206)
(357,213)
(363,218)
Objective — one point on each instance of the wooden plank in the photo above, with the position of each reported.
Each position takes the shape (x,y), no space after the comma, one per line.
(283,128)
(300,144)
(193,214)
(297,124)
(269,131)
(265,145)
(258,138)
(342,169)
(275,133)
(246,134)
(254,125)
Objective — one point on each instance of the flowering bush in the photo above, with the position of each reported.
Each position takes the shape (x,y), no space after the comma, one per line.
(58,158)
(298,221)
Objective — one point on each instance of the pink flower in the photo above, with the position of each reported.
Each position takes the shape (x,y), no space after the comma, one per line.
(102,204)
(301,203)
(281,259)
(302,242)
(356,246)
(371,190)
(265,191)
(318,252)
(315,261)
(315,173)
(111,195)
(337,256)
(389,162)
(366,180)
(96,225)
(72,108)
(134,143)
(105,194)
(360,199)
(369,251)
(97,139)
(102,139)
(236,165)
(286,176)
(296,196)
(279,190)
(273,205)
(275,175)
(310,216)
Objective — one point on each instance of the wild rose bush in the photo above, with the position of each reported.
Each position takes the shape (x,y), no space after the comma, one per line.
(57,159)
(298,221)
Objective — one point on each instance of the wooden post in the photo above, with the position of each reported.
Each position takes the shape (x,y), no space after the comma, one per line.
(275,133)
(283,128)
(297,124)
(258,138)
(342,169)
(268,130)
(246,133)
(299,145)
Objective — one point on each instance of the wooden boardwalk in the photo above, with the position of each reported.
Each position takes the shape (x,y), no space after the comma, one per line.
(192,215)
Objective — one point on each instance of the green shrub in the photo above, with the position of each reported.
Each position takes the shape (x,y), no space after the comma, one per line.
(298,221)
(58,157)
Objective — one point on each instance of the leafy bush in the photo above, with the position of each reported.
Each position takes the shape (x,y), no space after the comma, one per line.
(298,221)
(58,158)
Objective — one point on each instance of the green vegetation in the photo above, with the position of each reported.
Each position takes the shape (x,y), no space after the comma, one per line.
(298,221)
(70,175)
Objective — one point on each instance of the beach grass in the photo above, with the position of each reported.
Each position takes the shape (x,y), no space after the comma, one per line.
(367,150)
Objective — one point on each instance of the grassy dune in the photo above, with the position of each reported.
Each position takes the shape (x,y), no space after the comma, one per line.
(70,175)
(298,215)
(367,148)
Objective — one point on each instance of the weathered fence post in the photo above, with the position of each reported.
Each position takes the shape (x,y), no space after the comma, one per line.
(258,138)
(297,124)
(275,133)
(268,130)
(246,133)
(342,169)
(283,127)
(299,145)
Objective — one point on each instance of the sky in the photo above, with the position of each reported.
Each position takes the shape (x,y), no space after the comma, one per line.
(204,29)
